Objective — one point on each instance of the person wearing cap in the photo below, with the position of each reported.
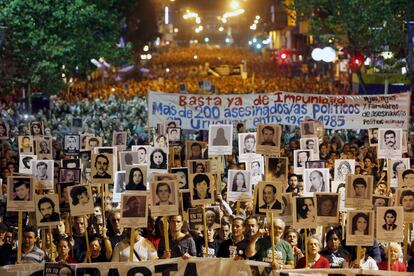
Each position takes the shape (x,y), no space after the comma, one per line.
(261,248)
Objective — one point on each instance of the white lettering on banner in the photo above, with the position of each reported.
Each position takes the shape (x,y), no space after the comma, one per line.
(194,267)
(195,111)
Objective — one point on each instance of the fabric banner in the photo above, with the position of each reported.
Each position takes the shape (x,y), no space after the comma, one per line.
(197,112)
(193,267)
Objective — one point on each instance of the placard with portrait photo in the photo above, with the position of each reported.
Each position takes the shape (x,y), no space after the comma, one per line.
(327,205)
(256,167)
(220,139)
(202,186)
(119,140)
(83,138)
(71,163)
(185,202)
(310,143)
(339,188)
(276,169)
(127,158)
(405,198)
(25,163)
(164,198)
(239,186)
(406,178)
(373,137)
(390,224)
(36,128)
(174,135)
(359,189)
(119,186)
(195,150)
(304,213)
(343,167)
(300,157)
(287,208)
(316,181)
(26,145)
(160,141)
(360,228)
(405,141)
(158,159)
(199,166)
(213,218)
(168,124)
(134,209)
(102,168)
(381,201)
(69,175)
(47,210)
(136,178)
(43,174)
(20,193)
(396,165)
(80,200)
(308,129)
(93,142)
(142,153)
(270,197)
(247,146)
(43,146)
(4,130)
(64,198)
(315,164)
(268,139)
(195,219)
(390,143)
(182,176)
(71,145)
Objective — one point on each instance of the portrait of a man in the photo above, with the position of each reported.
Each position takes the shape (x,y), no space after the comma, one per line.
(163,192)
(269,198)
(390,141)
(101,165)
(134,206)
(72,144)
(390,217)
(46,207)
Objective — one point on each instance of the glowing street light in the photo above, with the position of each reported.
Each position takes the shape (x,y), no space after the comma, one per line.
(234,5)
(189,14)
(221,29)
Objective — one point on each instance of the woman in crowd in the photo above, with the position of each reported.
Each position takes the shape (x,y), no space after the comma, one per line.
(64,247)
(143,249)
(395,253)
(95,253)
(366,262)
(337,256)
(315,260)
(295,240)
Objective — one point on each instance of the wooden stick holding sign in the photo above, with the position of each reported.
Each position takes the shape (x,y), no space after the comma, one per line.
(272,237)
(389,253)
(131,245)
(166,236)
(51,243)
(306,249)
(205,232)
(237,207)
(103,206)
(406,234)
(19,236)
(86,237)
(358,256)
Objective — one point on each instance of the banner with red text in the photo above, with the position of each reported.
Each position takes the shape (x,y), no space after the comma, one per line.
(196,111)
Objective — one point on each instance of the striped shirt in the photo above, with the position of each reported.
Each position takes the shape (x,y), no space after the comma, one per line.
(35,256)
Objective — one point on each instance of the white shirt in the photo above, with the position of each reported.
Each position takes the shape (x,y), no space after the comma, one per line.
(143,247)
(369,264)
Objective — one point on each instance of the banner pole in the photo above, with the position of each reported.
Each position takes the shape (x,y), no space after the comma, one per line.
(272,236)
(86,237)
(406,234)
(51,244)
(306,248)
(205,232)
(166,236)
(131,245)
(389,256)
(19,237)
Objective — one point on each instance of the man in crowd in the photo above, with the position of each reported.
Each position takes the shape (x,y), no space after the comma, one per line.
(30,252)
(235,246)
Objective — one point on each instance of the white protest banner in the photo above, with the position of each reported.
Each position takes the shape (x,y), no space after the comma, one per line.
(196,111)
(193,266)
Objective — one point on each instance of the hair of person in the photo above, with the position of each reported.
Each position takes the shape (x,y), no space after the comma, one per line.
(406,193)
(354,222)
(75,192)
(193,145)
(359,181)
(200,178)
(332,232)
(392,212)
(20,183)
(308,141)
(131,175)
(314,237)
(131,199)
(249,136)
(159,185)
(41,163)
(242,220)
(94,139)
(142,148)
(344,163)
(389,131)
(44,200)
(253,217)
(396,246)
(279,222)
(290,229)
(268,128)
(407,172)
(234,185)
(341,185)
(396,164)
(326,198)
(319,173)
(101,156)
(30,228)
(171,217)
(274,190)
(164,156)
(65,239)
(303,209)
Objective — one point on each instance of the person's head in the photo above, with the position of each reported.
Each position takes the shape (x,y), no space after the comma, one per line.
(374,133)
(163,191)
(79,194)
(293,181)
(239,181)
(326,206)
(43,145)
(292,237)
(237,227)
(390,216)
(220,133)
(101,163)
(142,154)
(161,141)
(119,138)
(252,226)
(114,219)
(29,236)
(46,207)
(201,186)
(360,186)
(132,203)
(310,144)
(278,227)
(269,193)
(395,251)
(249,142)
(93,142)
(182,179)
(408,177)
(316,178)
(399,165)
(379,202)
(210,217)
(305,207)
(225,230)
(136,176)
(176,223)
(64,246)
(158,157)
(332,239)
(71,142)
(344,168)
(360,223)
(303,156)
(79,225)
(195,150)
(36,128)
(69,175)
(314,246)
(389,138)
(199,168)
(268,133)
(407,200)
(41,168)
(21,189)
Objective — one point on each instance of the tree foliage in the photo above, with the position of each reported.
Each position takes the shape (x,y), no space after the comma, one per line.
(366,26)
(45,39)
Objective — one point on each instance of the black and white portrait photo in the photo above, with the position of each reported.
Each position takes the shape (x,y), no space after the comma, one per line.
(142,152)
(256,167)
(239,186)
(43,174)
(360,228)
(389,143)
(93,142)
(247,145)
(182,176)
(47,210)
(81,200)
(300,157)
(316,180)
(164,198)
(136,177)
(390,224)
(268,139)
(102,168)
(158,159)
(161,141)
(359,189)
(373,137)
(119,139)
(174,135)
(201,188)
(72,145)
(127,158)
(270,197)
(36,128)
(220,139)
(43,147)
(304,212)
(308,129)
(406,178)
(310,143)
(26,145)
(199,166)
(195,150)
(119,185)
(69,175)
(134,209)
(405,198)
(4,130)
(396,165)
(327,208)
(343,167)
(276,169)
(25,163)
(20,193)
